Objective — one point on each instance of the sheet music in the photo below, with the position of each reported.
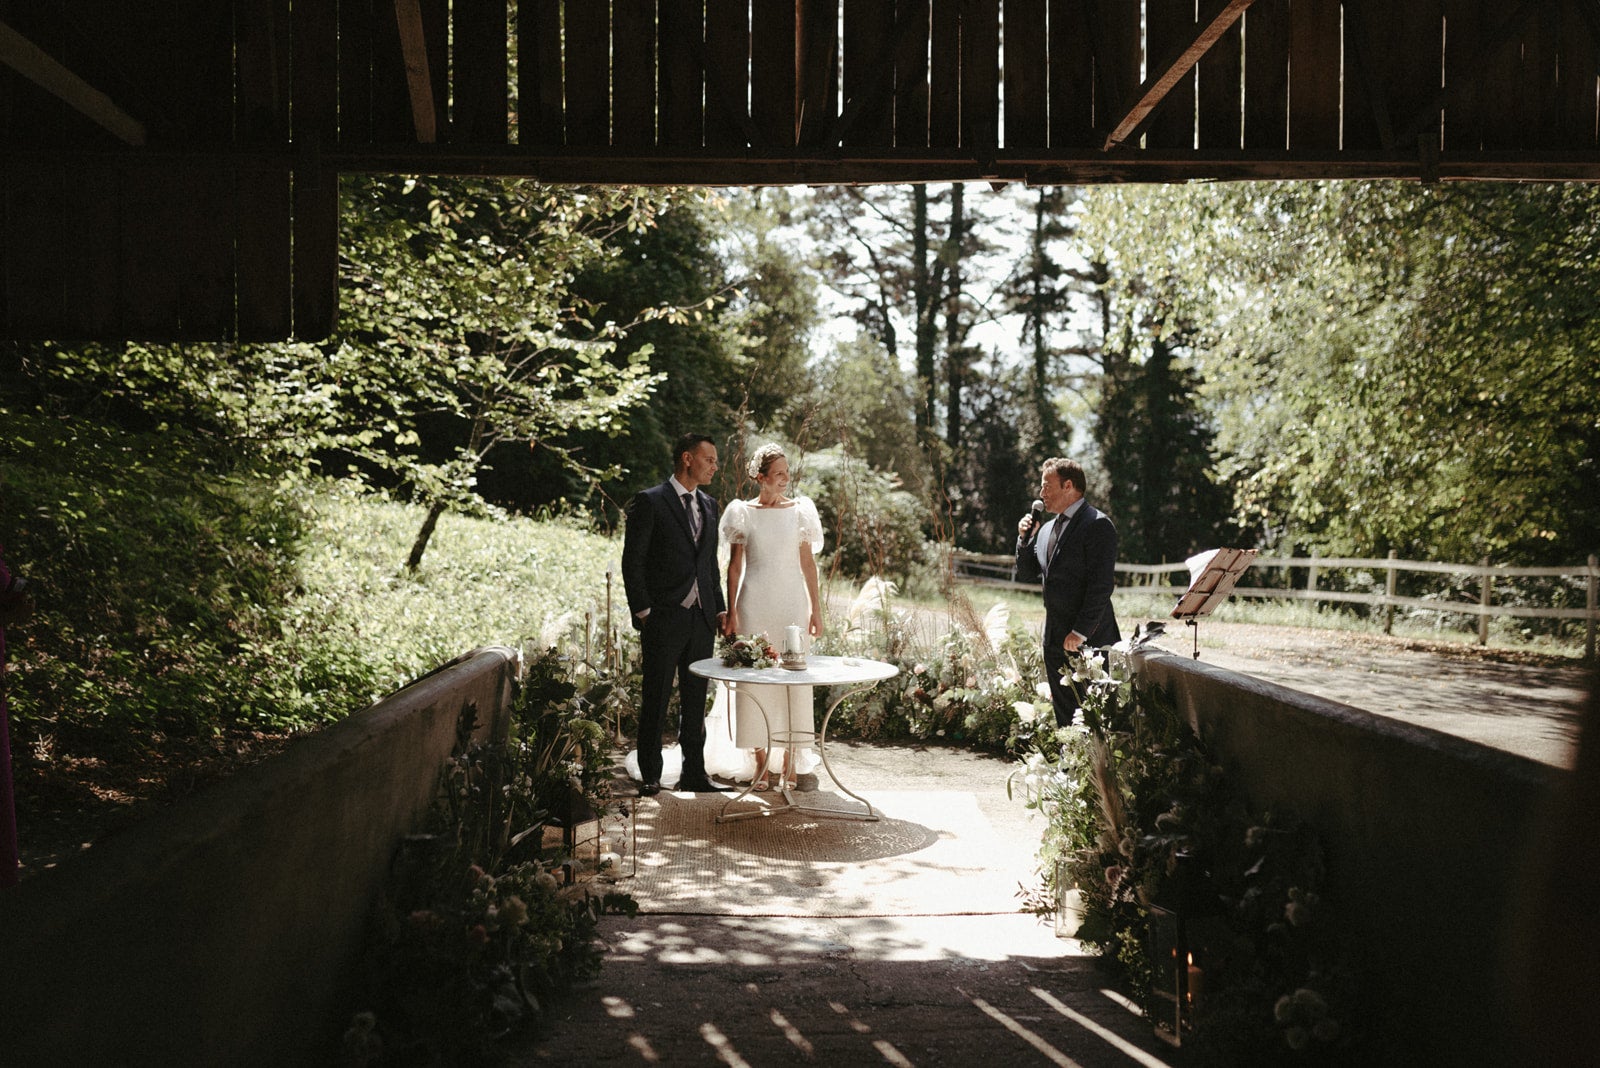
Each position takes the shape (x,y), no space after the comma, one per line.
(1212,576)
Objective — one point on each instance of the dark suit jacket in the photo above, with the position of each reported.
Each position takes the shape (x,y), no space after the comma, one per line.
(660,560)
(1078,579)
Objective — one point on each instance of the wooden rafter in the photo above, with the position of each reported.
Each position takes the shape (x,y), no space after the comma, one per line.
(1219,16)
(419,79)
(30,61)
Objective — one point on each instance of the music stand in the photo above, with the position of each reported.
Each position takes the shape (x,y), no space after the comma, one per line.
(1212,576)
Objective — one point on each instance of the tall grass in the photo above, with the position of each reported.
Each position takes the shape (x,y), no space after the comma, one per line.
(482,582)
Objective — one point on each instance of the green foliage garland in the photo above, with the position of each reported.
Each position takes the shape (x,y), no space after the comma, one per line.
(480,930)
(1142,815)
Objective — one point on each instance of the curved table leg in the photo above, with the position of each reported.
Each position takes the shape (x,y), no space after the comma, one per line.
(788,738)
(822,747)
(733,710)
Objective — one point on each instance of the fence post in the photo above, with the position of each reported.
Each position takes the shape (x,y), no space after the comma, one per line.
(1311,578)
(1594,602)
(1485,596)
(1388,586)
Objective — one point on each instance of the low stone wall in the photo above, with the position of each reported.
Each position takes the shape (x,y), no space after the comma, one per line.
(1425,837)
(229,929)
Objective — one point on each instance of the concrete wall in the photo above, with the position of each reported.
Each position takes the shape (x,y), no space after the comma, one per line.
(1425,835)
(228,930)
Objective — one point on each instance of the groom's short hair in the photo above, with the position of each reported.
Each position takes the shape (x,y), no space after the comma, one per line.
(688,443)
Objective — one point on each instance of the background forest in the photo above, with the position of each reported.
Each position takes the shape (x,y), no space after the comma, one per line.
(1342,368)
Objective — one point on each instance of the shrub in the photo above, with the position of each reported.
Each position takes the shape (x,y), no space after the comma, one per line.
(480,929)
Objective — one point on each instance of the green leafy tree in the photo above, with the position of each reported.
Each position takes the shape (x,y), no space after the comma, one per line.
(460,294)
(1391,366)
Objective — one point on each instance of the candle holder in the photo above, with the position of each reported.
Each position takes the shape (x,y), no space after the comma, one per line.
(618,845)
(794,650)
(1181,935)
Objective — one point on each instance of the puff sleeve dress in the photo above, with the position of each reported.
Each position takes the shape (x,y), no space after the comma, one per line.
(772,597)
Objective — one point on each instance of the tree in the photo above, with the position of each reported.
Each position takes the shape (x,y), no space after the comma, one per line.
(1391,366)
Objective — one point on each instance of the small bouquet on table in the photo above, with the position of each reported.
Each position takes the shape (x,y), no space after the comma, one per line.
(747,651)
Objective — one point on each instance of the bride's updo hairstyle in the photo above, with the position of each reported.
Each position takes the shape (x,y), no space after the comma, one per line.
(761,462)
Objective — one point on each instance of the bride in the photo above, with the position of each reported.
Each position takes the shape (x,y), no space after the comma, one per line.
(772,585)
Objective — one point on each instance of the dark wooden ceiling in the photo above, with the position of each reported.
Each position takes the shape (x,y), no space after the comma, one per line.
(169,168)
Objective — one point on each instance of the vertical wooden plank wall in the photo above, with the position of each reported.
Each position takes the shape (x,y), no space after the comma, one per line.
(1026,74)
(1314,76)
(633,80)
(868,75)
(1118,58)
(262,121)
(1539,50)
(541,120)
(1071,75)
(1412,87)
(680,74)
(1580,53)
(817,82)
(773,100)
(436,39)
(1170,28)
(1368,120)
(980,76)
(481,110)
(911,27)
(1266,75)
(587,74)
(1219,122)
(149,297)
(315,258)
(727,73)
(201,68)
(944,74)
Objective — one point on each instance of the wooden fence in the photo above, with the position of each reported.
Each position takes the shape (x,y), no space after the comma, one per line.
(995,570)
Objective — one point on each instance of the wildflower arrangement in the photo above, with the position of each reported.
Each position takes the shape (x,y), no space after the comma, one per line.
(1140,814)
(485,925)
(747,651)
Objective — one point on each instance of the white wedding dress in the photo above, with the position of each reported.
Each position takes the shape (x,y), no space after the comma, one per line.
(772,597)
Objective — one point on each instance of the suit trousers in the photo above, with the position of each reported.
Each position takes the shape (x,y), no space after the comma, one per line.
(1061,693)
(669,641)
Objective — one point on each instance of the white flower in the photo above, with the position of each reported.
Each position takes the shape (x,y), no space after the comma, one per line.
(1024,710)
(1043,690)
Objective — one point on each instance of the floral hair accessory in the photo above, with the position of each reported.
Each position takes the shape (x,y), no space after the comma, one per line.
(763,456)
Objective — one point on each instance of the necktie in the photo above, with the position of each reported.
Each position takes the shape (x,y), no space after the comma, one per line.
(1055,537)
(694,516)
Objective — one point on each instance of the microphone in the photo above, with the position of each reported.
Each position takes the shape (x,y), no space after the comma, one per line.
(1036,515)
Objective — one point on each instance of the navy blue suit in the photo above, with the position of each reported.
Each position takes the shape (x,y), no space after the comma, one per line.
(1078,579)
(661,563)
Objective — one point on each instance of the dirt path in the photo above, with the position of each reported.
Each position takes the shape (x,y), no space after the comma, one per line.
(1522,703)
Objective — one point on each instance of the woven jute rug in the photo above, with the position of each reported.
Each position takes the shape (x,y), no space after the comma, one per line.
(932,853)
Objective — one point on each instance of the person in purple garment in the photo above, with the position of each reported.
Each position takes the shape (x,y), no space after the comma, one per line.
(15,606)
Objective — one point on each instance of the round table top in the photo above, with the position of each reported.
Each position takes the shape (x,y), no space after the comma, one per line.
(819,671)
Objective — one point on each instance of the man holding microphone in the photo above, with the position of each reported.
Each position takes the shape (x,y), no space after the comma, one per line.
(1075,553)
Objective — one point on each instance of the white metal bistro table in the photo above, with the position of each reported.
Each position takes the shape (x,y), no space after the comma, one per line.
(849,675)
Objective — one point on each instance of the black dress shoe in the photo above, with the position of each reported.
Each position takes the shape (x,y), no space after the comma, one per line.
(701,786)
(649,789)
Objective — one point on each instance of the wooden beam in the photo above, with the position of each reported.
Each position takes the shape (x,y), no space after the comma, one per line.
(30,61)
(1214,22)
(419,80)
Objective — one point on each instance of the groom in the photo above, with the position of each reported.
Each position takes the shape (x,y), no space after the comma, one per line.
(669,569)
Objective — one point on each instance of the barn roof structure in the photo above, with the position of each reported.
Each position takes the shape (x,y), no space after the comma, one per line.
(169,168)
